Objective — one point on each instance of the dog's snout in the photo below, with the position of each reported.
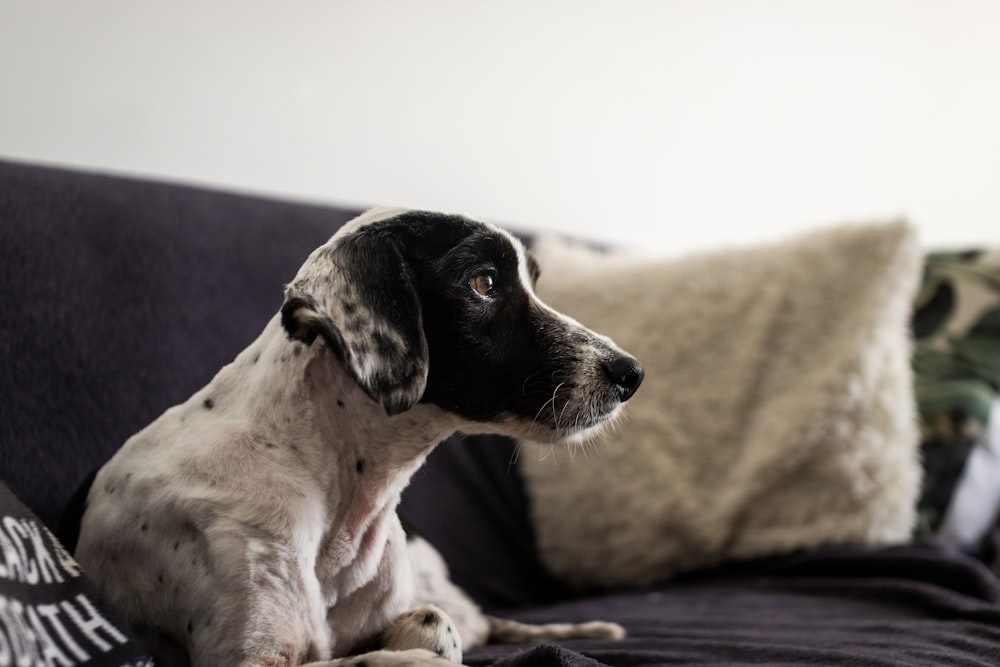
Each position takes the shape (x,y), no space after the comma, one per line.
(626,373)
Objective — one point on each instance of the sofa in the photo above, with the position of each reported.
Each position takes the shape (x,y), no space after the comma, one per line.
(123,296)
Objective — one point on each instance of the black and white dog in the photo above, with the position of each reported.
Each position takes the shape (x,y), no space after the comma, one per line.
(255,524)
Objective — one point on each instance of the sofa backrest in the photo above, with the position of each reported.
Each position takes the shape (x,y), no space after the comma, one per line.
(120,299)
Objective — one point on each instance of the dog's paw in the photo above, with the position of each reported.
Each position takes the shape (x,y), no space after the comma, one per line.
(426,627)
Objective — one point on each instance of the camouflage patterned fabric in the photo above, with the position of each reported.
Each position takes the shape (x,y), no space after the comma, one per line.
(956,363)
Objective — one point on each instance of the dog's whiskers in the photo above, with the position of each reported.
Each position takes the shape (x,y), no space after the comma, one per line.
(552,401)
(515,455)
(563,413)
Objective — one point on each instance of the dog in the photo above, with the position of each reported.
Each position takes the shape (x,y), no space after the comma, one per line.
(254,525)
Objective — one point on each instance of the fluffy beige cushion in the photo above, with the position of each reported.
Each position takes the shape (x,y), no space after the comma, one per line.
(777,411)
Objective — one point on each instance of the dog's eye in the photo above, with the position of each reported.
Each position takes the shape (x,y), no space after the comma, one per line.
(483,285)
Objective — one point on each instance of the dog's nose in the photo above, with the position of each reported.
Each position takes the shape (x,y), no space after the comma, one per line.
(626,373)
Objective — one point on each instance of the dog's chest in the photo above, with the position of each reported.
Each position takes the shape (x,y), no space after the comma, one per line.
(363,577)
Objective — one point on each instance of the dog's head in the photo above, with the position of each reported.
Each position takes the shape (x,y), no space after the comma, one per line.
(441,309)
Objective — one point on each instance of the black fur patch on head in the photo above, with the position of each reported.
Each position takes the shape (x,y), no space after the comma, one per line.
(490,357)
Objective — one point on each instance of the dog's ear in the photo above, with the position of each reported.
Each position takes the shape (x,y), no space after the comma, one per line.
(357,294)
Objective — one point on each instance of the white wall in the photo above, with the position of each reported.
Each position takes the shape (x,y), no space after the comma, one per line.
(665,125)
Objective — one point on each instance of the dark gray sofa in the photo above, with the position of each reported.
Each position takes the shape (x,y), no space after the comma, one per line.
(121,297)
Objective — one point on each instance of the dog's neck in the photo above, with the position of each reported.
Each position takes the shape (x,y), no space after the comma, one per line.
(301,396)
(303,391)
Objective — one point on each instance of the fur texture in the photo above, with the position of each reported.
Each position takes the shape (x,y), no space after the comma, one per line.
(778,413)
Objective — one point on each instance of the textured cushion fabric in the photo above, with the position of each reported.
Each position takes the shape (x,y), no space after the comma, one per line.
(121,298)
(49,613)
(777,411)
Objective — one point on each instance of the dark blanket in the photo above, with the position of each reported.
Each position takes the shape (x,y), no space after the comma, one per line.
(122,297)
(907,606)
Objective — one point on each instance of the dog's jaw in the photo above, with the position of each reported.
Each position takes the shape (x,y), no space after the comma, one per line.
(515,426)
